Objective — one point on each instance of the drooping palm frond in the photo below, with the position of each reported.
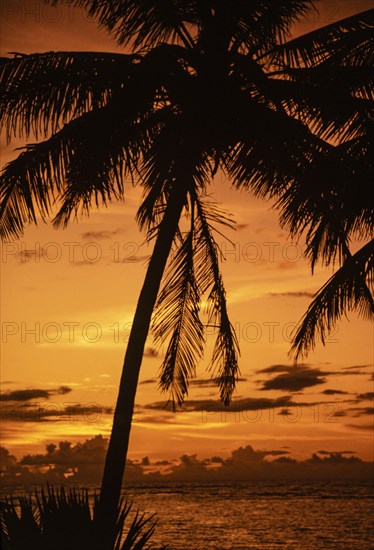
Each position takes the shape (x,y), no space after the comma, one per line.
(177,315)
(224,363)
(72,166)
(350,288)
(350,38)
(332,203)
(194,270)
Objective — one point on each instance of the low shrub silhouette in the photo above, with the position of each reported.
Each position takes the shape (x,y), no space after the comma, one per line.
(59,519)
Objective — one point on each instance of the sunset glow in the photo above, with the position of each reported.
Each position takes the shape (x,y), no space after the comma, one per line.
(68,299)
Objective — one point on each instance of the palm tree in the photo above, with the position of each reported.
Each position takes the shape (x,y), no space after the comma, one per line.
(336,207)
(210,85)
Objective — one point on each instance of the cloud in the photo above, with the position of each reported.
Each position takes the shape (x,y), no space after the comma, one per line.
(29,394)
(329,453)
(135,259)
(340,413)
(365,427)
(209,383)
(333,457)
(210,406)
(198,383)
(365,396)
(162,419)
(277,368)
(52,410)
(362,411)
(237,405)
(83,463)
(356,367)
(99,235)
(300,294)
(292,378)
(248,454)
(287,368)
(92,451)
(148,381)
(29,254)
(334,392)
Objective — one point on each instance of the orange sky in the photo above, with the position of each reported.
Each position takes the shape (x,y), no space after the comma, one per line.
(67,300)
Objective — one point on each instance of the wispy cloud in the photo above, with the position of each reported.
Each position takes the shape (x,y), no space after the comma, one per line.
(334,392)
(237,405)
(208,383)
(148,381)
(357,367)
(29,394)
(99,235)
(368,396)
(361,411)
(363,427)
(300,294)
(37,412)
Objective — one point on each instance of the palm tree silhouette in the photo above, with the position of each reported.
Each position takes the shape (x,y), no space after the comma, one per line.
(210,85)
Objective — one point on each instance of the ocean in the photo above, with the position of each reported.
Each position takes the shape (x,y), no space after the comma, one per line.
(254,515)
(257,515)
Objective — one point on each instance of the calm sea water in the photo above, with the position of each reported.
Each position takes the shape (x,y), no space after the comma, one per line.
(266,515)
(259,515)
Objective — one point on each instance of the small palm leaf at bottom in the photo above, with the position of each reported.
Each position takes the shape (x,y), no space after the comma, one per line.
(62,519)
(350,288)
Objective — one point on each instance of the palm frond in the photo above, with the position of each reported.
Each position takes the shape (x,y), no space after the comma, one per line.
(71,165)
(350,288)
(193,270)
(257,26)
(328,108)
(344,80)
(224,363)
(350,38)
(177,314)
(27,190)
(41,92)
(141,23)
(272,150)
(332,202)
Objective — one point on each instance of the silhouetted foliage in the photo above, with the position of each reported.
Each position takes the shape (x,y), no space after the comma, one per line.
(59,519)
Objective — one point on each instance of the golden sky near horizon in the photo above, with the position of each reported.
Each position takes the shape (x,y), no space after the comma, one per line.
(68,297)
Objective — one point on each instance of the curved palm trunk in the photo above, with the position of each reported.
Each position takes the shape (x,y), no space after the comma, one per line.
(119,440)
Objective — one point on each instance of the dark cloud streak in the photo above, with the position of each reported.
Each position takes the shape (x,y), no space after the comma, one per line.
(29,394)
